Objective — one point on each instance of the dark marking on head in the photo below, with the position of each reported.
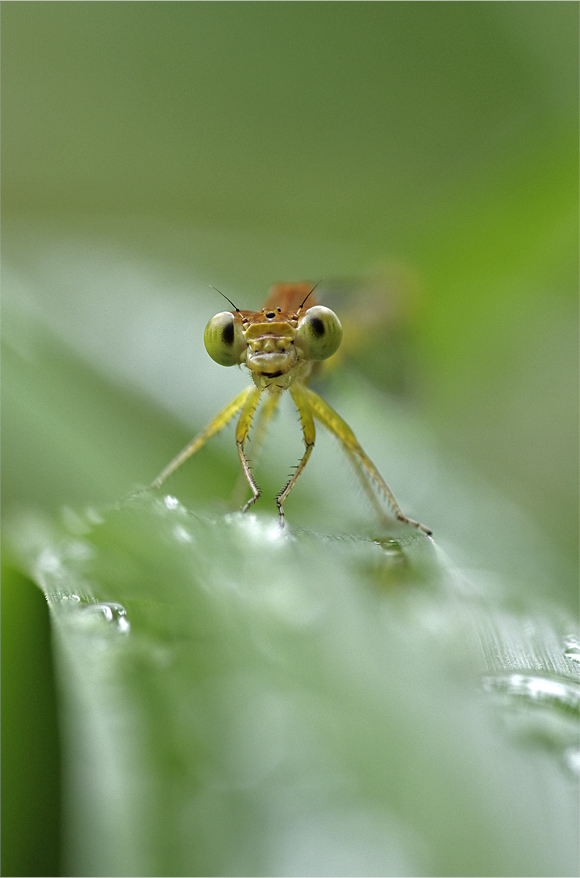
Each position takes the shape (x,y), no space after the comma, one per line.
(228,333)
(317,326)
(270,314)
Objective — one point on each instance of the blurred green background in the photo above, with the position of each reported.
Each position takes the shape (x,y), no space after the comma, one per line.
(420,157)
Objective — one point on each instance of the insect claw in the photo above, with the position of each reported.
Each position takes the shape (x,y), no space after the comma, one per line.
(281,519)
(251,501)
(416,524)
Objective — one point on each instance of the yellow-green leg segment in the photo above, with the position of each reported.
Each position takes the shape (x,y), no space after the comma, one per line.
(264,416)
(242,430)
(298,393)
(333,422)
(196,443)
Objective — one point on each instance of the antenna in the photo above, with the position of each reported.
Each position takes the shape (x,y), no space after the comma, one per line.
(310,293)
(235,307)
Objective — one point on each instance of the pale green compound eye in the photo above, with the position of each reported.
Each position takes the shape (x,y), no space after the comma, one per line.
(224,339)
(319,333)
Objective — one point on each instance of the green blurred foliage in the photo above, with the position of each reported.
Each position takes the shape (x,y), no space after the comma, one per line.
(326,118)
(30,737)
(422,157)
(330,139)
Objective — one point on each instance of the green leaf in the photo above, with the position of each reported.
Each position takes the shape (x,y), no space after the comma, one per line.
(244,700)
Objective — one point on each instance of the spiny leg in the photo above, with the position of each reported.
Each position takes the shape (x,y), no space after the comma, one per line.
(365,480)
(196,443)
(309,435)
(342,431)
(242,430)
(264,416)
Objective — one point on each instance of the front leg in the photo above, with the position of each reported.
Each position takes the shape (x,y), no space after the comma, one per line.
(309,434)
(260,426)
(242,430)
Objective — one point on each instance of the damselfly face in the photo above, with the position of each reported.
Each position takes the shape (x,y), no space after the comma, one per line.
(278,344)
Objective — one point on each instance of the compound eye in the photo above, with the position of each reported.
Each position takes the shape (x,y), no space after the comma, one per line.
(224,339)
(319,333)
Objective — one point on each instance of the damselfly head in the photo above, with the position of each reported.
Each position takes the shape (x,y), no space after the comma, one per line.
(271,342)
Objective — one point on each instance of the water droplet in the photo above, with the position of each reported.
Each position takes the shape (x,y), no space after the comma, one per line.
(115,614)
(537,689)
(256,529)
(181,535)
(389,545)
(572,759)
(50,562)
(171,502)
(93,516)
(572,649)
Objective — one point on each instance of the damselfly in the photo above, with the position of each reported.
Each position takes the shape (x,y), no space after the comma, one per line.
(281,345)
